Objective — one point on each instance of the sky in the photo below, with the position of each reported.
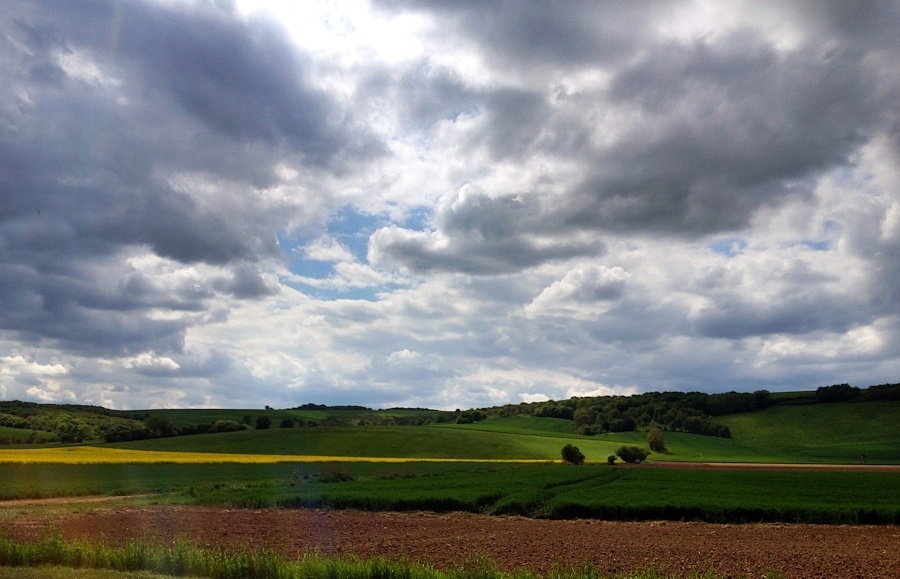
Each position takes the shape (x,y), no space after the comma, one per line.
(445,204)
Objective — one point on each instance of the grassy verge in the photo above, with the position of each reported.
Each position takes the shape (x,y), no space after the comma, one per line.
(57,572)
(183,559)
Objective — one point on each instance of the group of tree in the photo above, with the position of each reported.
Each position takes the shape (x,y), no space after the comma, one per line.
(692,412)
(70,423)
(631,454)
(679,411)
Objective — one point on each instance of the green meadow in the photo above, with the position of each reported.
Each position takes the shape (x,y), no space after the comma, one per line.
(830,433)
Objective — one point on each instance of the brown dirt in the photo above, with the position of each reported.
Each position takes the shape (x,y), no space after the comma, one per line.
(514,542)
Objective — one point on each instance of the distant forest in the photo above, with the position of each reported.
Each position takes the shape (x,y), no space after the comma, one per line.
(693,412)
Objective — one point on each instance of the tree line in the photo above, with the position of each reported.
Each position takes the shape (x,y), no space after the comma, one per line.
(693,412)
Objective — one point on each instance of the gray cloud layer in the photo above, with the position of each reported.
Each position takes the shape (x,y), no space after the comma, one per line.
(546,199)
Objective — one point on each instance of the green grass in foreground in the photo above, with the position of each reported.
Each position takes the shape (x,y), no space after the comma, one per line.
(57,572)
(183,559)
(534,490)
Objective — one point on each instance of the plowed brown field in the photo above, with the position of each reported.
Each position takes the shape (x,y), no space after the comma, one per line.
(449,540)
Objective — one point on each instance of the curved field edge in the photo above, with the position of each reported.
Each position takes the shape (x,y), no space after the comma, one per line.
(184,559)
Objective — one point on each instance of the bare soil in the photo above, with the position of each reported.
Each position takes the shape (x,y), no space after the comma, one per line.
(449,540)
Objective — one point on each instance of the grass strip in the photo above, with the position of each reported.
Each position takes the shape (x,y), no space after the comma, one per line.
(184,559)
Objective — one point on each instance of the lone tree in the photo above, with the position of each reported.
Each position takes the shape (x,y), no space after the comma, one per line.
(572,455)
(656,440)
(633,454)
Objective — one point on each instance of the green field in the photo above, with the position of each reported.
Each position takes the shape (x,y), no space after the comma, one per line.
(186,417)
(535,490)
(822,433)
(831,433)
(21,436)
(383,441)
(802,433)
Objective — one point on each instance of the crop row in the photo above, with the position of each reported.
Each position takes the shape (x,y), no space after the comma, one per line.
(534,490)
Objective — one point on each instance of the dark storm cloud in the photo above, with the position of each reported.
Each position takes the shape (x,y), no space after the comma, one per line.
(427,94)
(70,311)
(102,103)
(685,139)
(726,129)
(241,79)
(792,315)
(482,235)
(544,33)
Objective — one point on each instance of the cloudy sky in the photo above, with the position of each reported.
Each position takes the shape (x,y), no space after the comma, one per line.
(447,204)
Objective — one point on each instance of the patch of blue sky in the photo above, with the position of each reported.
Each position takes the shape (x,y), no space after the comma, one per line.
(352,229)
(728,246)
(815,245)
(298,263)
(419,218)
(329,293)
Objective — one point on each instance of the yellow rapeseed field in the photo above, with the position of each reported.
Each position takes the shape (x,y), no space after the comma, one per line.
(97,455)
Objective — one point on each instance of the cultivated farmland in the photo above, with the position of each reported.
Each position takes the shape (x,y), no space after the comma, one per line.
(450,475)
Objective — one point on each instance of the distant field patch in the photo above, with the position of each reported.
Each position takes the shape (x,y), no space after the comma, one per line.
(97,455)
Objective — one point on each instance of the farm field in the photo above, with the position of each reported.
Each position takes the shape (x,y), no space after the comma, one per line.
(498,466)
(534,490)
(484,547)
(836,434)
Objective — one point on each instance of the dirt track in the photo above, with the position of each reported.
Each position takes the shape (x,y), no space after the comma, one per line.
(514,542)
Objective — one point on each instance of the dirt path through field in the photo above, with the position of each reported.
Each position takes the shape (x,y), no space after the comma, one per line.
(514,542)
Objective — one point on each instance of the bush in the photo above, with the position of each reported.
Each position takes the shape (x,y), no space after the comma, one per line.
(837,393)
(263,422)
(656,440)
(572,455)
(633,454)
(335,473)
(611,459)
(225,426)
